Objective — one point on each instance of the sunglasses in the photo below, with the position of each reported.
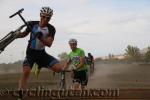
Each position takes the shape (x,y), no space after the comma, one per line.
(45,17)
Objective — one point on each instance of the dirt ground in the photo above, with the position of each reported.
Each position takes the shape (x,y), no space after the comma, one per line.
(106,76)
(120,76)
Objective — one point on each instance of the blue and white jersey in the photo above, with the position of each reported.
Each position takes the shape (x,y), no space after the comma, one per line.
(35,43)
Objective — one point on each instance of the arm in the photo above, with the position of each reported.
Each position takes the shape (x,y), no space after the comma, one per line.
(67,64)
(23,34)
(26,31)
(82,61)
(47,42)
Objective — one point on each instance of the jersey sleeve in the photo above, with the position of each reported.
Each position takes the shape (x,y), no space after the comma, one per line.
(69,55)
(31,24)
(52,30)
(82,54)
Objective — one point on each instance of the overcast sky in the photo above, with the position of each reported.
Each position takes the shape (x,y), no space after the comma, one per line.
(100,26)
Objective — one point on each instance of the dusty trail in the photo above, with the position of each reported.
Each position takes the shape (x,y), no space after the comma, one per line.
(120,76)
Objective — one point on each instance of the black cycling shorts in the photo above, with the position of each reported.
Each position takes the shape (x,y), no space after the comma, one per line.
(40,57)
(81,77)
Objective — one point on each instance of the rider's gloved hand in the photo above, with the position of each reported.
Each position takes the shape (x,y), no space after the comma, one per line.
(17,33)
(39,35)
(28,29)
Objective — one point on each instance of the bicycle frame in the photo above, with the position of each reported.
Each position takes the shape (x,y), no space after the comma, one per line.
(63,80)
(5,41)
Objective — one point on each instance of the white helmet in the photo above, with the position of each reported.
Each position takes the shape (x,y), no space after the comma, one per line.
(46,10)
(72,41)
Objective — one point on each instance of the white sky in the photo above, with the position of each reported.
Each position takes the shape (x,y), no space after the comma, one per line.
(100,26)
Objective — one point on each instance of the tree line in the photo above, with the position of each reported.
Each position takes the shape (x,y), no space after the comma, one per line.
(133,53)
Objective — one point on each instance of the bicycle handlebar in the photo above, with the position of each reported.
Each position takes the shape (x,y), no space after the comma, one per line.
(18,12)
(12,35)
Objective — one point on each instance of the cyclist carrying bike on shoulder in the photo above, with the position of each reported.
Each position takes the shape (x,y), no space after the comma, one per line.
(41,35)
(77,58)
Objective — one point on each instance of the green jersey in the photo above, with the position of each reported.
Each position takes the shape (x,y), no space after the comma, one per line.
(75,58)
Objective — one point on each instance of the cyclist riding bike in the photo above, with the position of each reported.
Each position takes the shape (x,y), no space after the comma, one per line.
(77,58)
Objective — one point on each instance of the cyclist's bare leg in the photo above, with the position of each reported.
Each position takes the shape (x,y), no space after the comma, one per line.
(91,72)
(57,67)
(93,67)
(53,73)
(25,77)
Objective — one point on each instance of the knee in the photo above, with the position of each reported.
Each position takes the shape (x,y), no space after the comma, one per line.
(57,68)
